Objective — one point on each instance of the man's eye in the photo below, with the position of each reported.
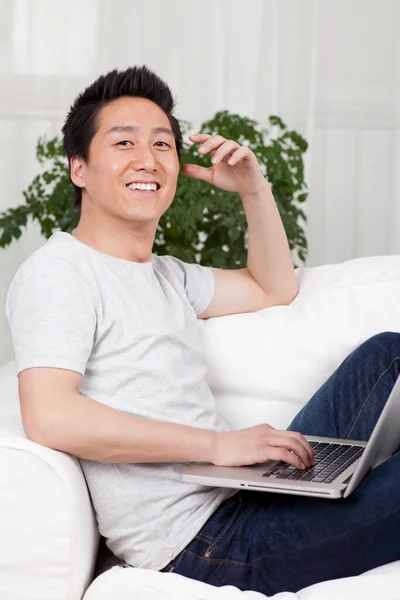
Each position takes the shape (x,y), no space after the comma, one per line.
(163,144)
(124,143)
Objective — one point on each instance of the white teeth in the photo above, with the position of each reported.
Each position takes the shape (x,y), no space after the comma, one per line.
(147,187)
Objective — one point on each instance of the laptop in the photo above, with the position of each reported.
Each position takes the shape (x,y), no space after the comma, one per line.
(340,464)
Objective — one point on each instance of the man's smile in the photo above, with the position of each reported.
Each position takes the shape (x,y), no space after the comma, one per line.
(143,187)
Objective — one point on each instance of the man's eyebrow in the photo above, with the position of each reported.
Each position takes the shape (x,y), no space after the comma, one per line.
(134,129)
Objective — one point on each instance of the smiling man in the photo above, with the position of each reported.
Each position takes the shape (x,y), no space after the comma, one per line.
(136,142)
(128,178)
(111,367)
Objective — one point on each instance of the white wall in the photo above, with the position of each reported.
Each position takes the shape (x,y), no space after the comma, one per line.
(329,68)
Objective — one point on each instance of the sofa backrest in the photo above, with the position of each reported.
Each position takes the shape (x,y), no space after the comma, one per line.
(264,366)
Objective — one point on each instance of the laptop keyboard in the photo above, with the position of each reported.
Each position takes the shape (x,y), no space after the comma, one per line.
(330,461)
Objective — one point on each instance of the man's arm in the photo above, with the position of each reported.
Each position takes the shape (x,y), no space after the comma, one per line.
(269,278)
(55,414)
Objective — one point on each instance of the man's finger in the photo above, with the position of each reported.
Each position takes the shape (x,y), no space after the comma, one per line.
(291,445)
(204,173)
(241,152)
(281,454)
(199,137)
(304,442)
(225,150)
(211,144)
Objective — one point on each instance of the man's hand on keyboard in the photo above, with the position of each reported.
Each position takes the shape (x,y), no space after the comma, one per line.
(259,444)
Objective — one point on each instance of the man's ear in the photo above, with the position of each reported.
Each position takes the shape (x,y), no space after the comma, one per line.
(77,166)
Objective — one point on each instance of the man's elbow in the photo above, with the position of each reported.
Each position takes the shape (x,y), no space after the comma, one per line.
(293,292)
(36,433)
(280,298)
(286,298)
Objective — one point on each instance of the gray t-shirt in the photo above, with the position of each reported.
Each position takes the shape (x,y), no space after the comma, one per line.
(131,330)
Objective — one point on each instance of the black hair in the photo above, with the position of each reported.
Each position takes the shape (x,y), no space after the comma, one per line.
(81,123)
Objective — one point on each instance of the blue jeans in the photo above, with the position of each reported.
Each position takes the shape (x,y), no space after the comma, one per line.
(270,543)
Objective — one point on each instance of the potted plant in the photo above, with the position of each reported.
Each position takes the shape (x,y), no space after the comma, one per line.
(203,224)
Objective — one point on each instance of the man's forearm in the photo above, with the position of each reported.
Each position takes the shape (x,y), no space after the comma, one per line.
(269,260)
(88,429)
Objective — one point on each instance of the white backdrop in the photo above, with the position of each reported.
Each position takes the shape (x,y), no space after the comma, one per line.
(329,68)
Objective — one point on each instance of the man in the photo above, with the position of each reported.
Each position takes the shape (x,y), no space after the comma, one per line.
(111,367)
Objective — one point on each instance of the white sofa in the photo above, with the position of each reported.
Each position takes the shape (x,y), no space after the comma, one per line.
(262,367)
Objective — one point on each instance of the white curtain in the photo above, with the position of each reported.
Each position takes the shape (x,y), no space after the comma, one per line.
(329,68)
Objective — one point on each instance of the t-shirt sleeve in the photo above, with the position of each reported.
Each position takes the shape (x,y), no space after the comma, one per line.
(51,314)
(199,283)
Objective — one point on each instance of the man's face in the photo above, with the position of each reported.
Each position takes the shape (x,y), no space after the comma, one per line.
(133,146)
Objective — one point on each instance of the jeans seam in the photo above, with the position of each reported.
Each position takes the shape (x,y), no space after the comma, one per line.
(204,538)
(369,395)
(227,526)
(173,565)
(218,560)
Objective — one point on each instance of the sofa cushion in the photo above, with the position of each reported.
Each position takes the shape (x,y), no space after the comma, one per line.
(264,366)
(121,583)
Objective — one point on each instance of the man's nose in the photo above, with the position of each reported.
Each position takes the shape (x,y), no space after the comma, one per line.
(144,159)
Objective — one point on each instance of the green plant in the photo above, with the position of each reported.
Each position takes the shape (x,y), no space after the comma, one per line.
(204,224)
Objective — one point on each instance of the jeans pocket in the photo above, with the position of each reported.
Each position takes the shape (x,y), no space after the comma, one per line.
(212,533)
(218,527)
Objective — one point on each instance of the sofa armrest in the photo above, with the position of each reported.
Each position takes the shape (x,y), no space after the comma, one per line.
(49,537)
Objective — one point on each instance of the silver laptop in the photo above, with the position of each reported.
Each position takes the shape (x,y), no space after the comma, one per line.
(340,465)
